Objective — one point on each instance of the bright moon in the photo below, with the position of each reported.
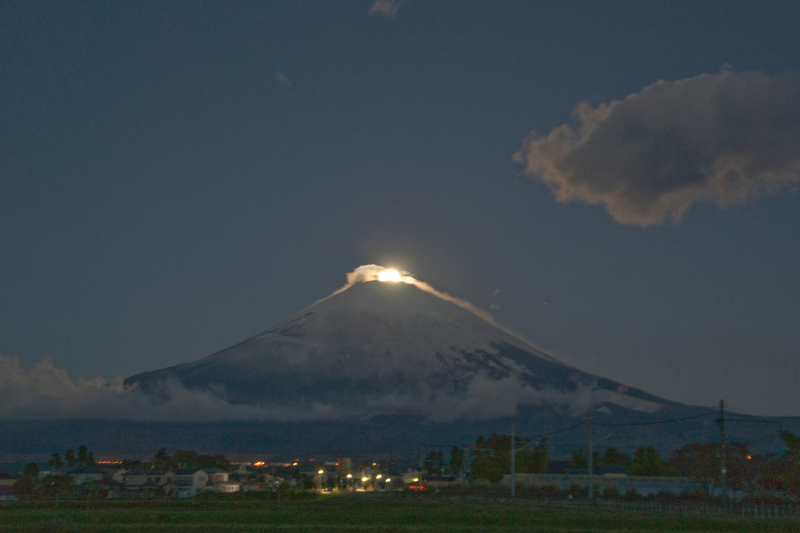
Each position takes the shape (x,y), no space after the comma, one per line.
(389,275)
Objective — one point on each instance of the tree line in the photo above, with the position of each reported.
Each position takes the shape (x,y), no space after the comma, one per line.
(84,457)
(491,460)
(180,459)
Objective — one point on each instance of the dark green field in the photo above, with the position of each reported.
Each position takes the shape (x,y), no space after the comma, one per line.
(355,513)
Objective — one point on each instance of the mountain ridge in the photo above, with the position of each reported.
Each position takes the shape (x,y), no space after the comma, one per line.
(379,348)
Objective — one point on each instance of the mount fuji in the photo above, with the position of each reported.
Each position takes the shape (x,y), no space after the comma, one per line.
(388,344)
(386,364)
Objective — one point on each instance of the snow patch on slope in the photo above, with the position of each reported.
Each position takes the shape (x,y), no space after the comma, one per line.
(367,273)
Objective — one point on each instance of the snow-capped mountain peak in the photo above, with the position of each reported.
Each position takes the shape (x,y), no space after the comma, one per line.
(378,347)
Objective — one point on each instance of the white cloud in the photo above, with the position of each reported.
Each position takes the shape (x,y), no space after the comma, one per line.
(283,79)
(721,138)
(46,392)
(494,305)
(386,8)
(366,273)
(487,398)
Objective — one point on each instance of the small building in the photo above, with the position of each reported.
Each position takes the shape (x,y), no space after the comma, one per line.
(86,474)
(190,481)
(143,482)
(134,479)
(7,481)
(243,474)
(115,474)
(228,487)
(216,475)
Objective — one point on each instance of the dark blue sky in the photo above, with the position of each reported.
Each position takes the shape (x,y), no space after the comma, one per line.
(176,177)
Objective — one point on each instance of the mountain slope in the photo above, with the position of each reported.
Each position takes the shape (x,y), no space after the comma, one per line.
(388,348)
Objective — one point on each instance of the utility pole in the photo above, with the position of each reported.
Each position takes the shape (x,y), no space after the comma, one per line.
(513,465)
(590,419)
(464,468)
(723,470)
(514,451)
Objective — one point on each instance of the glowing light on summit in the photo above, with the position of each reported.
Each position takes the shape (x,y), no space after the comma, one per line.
(390,274)
(367,273)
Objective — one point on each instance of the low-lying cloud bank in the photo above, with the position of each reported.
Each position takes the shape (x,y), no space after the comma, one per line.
(46,393)
(721,138)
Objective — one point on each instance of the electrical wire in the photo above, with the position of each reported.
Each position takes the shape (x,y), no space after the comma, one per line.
(653,422)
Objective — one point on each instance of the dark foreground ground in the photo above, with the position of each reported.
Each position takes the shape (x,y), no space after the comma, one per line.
(361,513)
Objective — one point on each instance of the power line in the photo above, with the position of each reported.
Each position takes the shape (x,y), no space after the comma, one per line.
(556,432)
(653,422)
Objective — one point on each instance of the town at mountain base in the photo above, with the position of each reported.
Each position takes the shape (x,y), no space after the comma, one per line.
(397,436)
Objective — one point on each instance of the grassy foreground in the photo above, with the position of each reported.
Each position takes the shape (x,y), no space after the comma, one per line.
(353,513)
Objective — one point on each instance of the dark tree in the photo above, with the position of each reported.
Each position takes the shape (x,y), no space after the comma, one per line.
(56,485)
(783,473)
(55,462)
(83,454)
(434,463)
(24,487)
(614,458)
(31,470)
(647,462)
(161,459)
(701,461)
(457,462)
(492,458)
(69,457)
(792,444)
(539,458)
(190,459)
(130,464)
(578,460)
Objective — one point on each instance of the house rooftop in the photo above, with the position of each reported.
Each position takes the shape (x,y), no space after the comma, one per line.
(187,471)
(87,470)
